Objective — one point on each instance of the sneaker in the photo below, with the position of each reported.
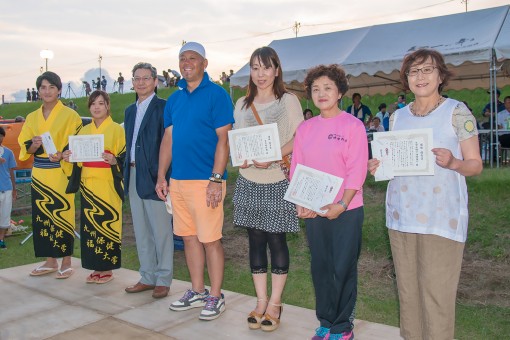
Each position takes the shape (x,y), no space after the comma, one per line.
(213,308)
(190,299)
(2,245)
(320,333)
(341,336)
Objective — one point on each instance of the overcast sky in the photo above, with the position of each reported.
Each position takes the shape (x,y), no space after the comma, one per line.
(125,32)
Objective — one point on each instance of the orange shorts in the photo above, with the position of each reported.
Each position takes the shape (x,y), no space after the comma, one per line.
(191,214)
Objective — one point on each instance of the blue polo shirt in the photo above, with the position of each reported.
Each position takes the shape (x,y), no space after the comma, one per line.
(195,117)
(5,169)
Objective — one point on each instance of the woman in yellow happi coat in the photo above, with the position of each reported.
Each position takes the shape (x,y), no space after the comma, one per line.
(53,215)
(102,193)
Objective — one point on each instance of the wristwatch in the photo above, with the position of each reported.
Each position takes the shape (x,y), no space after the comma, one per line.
(343,204)
(215,177)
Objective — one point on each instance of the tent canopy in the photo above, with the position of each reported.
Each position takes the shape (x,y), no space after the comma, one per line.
(372,55)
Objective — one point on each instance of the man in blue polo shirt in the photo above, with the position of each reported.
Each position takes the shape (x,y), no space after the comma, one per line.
(197,119)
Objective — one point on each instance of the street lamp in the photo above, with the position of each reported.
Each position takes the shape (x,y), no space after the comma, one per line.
(46,54)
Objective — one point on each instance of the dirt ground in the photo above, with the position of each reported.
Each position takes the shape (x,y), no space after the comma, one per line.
(482,282)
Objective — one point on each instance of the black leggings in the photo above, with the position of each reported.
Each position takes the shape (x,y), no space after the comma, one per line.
(258,251)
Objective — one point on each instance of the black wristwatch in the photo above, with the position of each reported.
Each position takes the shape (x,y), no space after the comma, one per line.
(216,178)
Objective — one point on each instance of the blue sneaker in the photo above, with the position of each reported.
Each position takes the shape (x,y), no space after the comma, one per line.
(320,333)
(2,245)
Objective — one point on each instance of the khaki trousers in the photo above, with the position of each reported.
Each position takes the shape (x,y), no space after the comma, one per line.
(428,270)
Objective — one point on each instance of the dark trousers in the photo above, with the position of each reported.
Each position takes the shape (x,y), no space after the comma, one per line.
(335,246)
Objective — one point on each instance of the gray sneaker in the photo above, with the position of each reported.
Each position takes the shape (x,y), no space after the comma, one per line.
(190,299)
(213,308)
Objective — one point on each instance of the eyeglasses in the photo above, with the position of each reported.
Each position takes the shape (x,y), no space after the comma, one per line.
(424,70)
(141,79)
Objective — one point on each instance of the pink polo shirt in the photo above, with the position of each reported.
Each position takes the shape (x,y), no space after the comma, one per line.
(337,146)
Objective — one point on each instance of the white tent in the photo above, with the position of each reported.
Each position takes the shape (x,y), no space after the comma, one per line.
(372,55)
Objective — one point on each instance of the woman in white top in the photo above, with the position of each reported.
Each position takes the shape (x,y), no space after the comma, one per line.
(427,216)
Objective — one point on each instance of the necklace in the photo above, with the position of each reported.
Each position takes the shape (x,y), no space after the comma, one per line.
(411,108)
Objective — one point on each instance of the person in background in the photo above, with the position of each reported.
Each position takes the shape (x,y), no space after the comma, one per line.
(427,216)
(197,117)
(8,192)
(34,95)
(384,116)
(87,87)
(258,197)
(28,95)
(359,110)
(375,125)
(401,101)
(498,106)
(120,81)
(143,123)
(334,237)
(53,212)
(307,114)
(101,189)
(503,123)
(72,105)
(103,84)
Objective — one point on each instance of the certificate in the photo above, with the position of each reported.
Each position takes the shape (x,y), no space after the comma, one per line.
(47,142)
(260,143)
(86,148)
(312,189)
(403,153)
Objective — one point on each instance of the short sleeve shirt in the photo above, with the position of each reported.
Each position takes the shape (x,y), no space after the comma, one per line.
(5,167)
(195,116)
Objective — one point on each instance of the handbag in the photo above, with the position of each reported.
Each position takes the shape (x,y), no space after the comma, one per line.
(286,160)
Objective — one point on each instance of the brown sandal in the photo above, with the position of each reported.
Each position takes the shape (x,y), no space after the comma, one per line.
(255,318)
(269,323)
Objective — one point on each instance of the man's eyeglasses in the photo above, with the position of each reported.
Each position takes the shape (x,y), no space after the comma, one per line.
(424,70)
(141,79)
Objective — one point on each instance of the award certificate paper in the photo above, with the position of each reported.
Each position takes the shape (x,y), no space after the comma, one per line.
(260,143)
(404,153)
(312,189)
(48,144)
(86,148)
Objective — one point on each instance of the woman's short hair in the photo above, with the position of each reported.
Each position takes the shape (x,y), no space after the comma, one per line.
(420,56)
(333,72)
(50,77)
(98,93)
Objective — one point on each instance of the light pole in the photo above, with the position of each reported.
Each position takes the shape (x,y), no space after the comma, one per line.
(99,59)
(46,54)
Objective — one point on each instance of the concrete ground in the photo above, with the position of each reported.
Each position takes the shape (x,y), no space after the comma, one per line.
(45,308)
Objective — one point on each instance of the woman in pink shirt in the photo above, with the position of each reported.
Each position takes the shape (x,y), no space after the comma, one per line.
(334,142)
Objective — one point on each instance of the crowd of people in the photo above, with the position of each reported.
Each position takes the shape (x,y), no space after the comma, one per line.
(174,153)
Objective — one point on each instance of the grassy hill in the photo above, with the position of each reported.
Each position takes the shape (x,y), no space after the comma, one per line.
(475,98)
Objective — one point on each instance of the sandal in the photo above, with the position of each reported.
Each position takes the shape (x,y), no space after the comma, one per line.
(65,274)
(92,278)
(104,278)
(269,323)
(41,270)
(255,318)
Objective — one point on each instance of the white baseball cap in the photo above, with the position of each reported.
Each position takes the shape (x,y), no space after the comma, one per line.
(193,46)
